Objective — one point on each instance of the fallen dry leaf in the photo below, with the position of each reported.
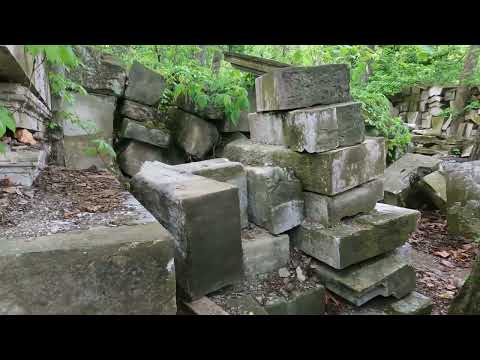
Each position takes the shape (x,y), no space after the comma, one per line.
(443,254)
(447,263)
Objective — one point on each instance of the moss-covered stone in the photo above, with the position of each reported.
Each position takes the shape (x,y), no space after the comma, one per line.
(467,301)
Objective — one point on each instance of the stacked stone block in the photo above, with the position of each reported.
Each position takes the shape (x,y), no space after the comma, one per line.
(307,124)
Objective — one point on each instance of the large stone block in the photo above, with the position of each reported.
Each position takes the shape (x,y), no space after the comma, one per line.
(388,275)
(328,173)
(22,167)
(329,210)
(101,73)
(412,304)
(275,198)
(463,181)
(144,85)
(464,218)
(310,302)
(264,252)
(159,137)
(135,154)
(123,270)
(300,87)
(223,170)
(358,239)
(403,174)
(204,218)
(434,187)
(137,111)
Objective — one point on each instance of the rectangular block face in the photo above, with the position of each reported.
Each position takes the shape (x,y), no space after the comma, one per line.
(275,198)
(144,85)
(329,210)
(328,173)
(311,302)
(104,270)
(208,251)
(300,87)
(136,131)
(388,275)
(263,252)
(361,238)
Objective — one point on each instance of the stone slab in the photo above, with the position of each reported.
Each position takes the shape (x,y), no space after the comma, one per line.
(205,306)
(22,167)
(311,302)
(145,86)
(159,137)
(329,210)
(387,275)
(264,252)
(412,304)
(328,173)
(223,170)
(301,87)
(204,218)
(252,64)
(360,238)
(124,270)
(139,112)
(135,154)
(246,305)
(275,198)
(434,186)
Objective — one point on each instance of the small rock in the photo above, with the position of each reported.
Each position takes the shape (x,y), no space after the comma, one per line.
(300,275)
(283,273)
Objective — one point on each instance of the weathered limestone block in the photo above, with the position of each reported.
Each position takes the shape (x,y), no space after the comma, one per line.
(193,134)
(464,219)
(22,167)
(264,252)
(434,186)
(139,112)
(463,181)
(301,87)
(123,270)
(328,173)
(102,73)
(311,302)
(361,238)
(467,302)
(268,128)
(28,111)
(252,64)
(329,210)
(405,172)
(222,170)
(275,198)
(225,139)
(204,306)
(131,129)
(135,154)
(388,275)
(246,305)
(412,304)
(204,218)
(144,85)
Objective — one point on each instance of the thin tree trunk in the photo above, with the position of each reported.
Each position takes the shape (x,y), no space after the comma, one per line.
(202,55)
(217,61)
(55,132)
(368,68)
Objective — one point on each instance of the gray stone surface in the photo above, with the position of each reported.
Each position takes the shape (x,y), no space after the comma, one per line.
(434,186)
(159,137)
(204,218)
(412,304)
(311,302)
(360,238)
(223,170)
(264,252)
(135,154)
(194,135)
(205,306)
(464,219)
(225,139)
(242,123)
(405,172)
(22,167)
(144,85)
(139,112)
(328,173)
(101,73)
(128,269)
(268,128)
(246,305)
(275,198)
(300,87)
(329,210)
(387,275)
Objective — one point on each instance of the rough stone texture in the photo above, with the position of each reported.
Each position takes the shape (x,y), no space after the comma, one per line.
(268,128)
(137,111)
(252,64)
(412,304)
(328,173)
(311,302)
(135,154)
(136,131)
(204,218)
(388,275)
(300,87)
(102,73)
(22,167)
(464,219)
(103,270)
(205,306)
(194,135)
(405,172)
(329,210)
(264,252)
(275,198)
(223,170)
(28,111)
(246,305)
(144,85)
(467,301)
(225,139)
(242,123)
(434,186)
(363,237)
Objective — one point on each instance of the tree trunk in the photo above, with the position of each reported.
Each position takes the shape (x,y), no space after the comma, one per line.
(368,68)
(55,133)
(202,55)
(217,61)
(463,93)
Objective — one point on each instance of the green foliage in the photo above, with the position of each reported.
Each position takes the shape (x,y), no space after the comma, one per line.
(99,147)
(455,151)
(6,122)
(473,105)
(55,54)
